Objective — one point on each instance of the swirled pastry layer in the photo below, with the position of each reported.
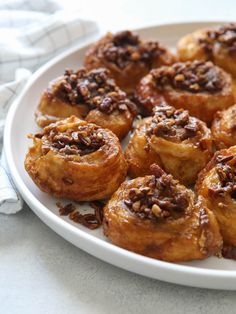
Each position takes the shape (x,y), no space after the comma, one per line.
(217,184)
(157,217)
(90,95)
(197,86)
(217,44)
(224,128)
(178,142)
(127,57)
(76,160)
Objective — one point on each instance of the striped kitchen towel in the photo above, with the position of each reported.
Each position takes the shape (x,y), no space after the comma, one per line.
(32,32)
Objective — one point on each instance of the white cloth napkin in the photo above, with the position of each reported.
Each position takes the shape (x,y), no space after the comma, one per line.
(10,200)
(31,33)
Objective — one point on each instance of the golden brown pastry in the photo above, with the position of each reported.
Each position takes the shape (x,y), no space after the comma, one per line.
(217,184)
(224,128)
(177,142)
(76,160)
(217,44)
(157,217)
(90,95)
(199,87)
(127,57)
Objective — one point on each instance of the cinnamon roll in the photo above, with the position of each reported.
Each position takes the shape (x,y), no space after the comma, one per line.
(127,57)
(198,86)
(224,128)
(90,95)
(176,141)
(217,44)
(76,160)
(217,184)
(157,217)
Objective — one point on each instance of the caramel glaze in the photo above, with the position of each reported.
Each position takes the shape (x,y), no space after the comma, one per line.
(127,57)
(157,217)
(90,95)
(76,160)
(217,184)
(176,141)
(197,86)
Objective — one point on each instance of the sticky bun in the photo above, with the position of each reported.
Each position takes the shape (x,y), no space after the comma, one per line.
(176,141)
(224,128)
(198,86)
(127,57)
(217,184)
(90,95)
(160,218)
(217,44)
(76,160)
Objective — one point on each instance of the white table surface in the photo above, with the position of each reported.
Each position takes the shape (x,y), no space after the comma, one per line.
(42,273)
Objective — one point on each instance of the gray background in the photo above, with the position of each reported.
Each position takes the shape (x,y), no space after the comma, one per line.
(42,273)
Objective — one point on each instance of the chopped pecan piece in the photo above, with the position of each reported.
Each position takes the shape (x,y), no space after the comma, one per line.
(91,221)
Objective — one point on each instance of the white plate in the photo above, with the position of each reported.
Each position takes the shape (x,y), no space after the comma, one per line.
(211,273)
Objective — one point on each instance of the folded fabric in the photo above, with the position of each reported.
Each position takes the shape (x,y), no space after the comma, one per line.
(10,200)
(32,32)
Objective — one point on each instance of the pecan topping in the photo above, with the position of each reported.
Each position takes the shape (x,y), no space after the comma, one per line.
(226,171)
(95,89)
(159,198)
(173,124)
(194,77)
(84,140)
(126,47)
(224,36)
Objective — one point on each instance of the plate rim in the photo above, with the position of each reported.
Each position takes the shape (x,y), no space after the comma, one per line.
(107,247)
